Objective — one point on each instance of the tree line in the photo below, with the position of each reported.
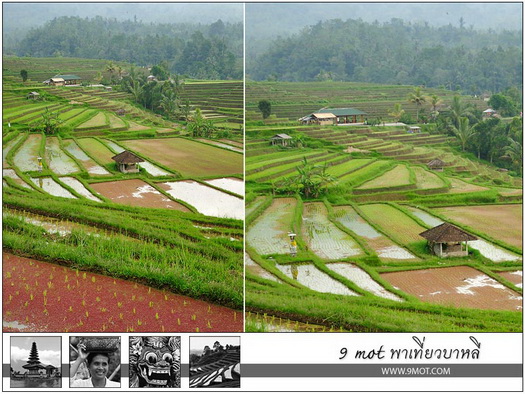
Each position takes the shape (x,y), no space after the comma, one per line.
(211,51)
(395,52)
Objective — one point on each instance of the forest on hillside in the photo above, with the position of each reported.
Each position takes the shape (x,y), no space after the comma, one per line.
(395,52)
(212,51)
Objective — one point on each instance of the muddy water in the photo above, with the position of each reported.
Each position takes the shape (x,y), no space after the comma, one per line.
(493,252)
(269,232)
(349,218)
(91,167)
(51,187)
(26,157)
(323,237)
(44,297)
(57,160)
(206,200)
(79,188)
(9,173)
(425,217)
(362,279)
(233,185)
(256,269)
(51,225)
(311,277)
(395,252)
(460,286)
(150,168)
(7,148)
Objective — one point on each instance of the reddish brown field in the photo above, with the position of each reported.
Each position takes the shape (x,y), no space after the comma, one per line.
(456,286)
(190,158)
(515,277)
(136,193)
(44,297)
(503,222)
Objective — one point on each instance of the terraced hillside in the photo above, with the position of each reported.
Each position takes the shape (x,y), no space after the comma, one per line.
(293,100)
(359,262)
(66,202)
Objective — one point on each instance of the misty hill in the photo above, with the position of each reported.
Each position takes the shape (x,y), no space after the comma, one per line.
(211,51)
(266,21)
(395,52)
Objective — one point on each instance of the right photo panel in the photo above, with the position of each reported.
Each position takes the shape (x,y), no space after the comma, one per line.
(383,167)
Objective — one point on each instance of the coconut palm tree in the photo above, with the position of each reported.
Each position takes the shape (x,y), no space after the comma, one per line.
(417,97)
(397,112)
(464,132)
(459,110)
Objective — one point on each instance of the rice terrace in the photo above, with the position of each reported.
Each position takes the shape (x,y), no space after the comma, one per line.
(356,221)
(104,224)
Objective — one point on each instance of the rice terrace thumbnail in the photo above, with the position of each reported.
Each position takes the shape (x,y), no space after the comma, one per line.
(107,155)
(379,197)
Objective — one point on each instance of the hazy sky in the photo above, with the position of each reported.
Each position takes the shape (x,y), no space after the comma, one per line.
(197,344)
(48,351)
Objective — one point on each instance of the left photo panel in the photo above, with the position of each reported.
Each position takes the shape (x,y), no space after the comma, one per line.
(122,168)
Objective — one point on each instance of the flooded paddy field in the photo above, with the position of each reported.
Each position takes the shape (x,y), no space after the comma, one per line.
(362,279)
(310,276)
(79,188)
(44,297)
(136,193)
(10,173)
(268,234)
(503,222)
(256,269)
(26,156)
(206,200)
(234,185)
(8,147)
(384,247)
(323,237)
(190,158)
(460,286)
(58,161)
(89,164)
(50,186)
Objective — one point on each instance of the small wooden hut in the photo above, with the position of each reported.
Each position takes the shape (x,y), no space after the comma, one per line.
(414,129)
(33,96)
(127,162)
(447,240)
(281,139)
(436,165)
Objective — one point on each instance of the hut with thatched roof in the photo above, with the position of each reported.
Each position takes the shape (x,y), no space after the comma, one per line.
(127,162)
(436,165)
(447,240)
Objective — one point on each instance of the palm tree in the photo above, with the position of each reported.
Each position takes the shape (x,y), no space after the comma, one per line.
(458,110)
(169,103)
(397,112)
(417,97)
(435,101)
(514,151)
(110,68)
(311,179)
(464,132)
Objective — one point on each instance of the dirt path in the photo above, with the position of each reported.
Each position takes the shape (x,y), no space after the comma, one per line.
(44,297)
